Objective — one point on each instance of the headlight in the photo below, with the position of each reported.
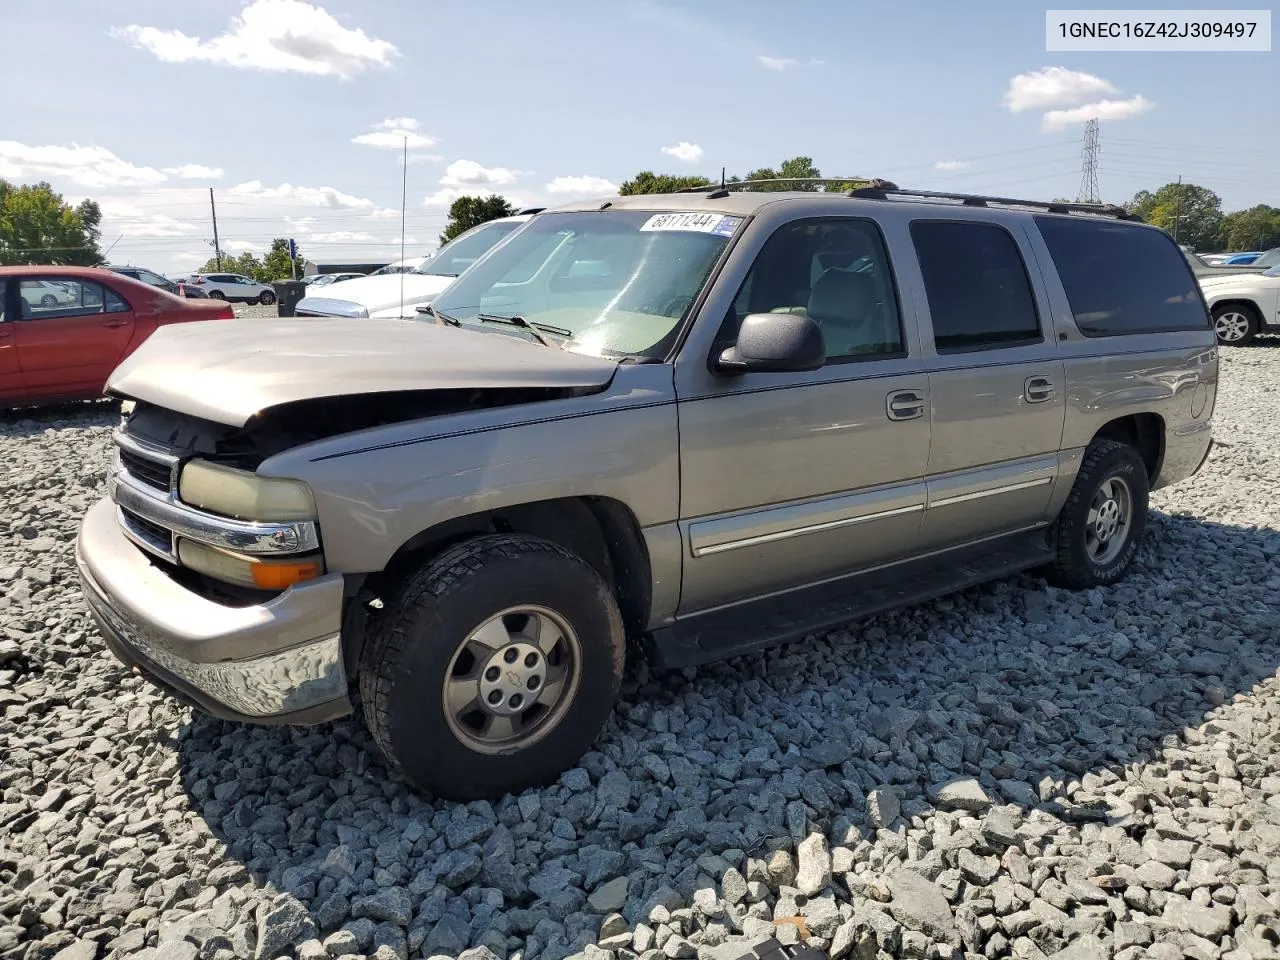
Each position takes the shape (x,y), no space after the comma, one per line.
(245,571)
(244,495)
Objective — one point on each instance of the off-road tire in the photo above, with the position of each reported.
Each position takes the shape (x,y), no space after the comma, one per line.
(1251,328)
(1072,566)
(266,298)
(412,642)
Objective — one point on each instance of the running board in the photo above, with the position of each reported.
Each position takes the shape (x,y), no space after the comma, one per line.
(758,624)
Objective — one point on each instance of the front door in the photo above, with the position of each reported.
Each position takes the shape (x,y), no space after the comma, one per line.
(70,346)
(11,385)
(788,479)
(996,381)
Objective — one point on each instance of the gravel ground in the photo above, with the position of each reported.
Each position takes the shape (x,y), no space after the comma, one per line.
(255,311)
(1014,771)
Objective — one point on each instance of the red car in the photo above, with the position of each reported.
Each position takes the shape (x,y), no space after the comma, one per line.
(64,329)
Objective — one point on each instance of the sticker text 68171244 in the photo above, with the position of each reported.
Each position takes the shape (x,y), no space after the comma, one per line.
(688,222)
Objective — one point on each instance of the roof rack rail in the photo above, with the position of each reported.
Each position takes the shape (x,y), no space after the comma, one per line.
(730,185)
(528,210)
(888,191)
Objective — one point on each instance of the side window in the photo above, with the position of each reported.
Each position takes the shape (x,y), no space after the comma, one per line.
(115,302)
(976,282)
(4,299)
(835,271)
(1122,278)
(50,298)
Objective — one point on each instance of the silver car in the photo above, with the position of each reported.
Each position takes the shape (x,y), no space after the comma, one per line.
(682,427)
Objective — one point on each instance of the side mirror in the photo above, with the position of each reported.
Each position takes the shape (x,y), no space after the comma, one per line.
(774,343)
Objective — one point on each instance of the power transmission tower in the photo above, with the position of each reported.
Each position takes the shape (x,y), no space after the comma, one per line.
(1089,168)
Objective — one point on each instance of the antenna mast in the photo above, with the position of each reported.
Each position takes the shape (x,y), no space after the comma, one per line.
(404,192)
(1088,192)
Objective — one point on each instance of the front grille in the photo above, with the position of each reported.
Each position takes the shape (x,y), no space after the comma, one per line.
(148,471)
(152,534)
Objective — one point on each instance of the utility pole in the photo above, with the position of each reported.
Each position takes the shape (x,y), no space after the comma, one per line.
(1177,209)
(217,250)
(1088,192)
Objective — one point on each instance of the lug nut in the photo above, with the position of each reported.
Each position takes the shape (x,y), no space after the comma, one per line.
(533,683)
(492,674)
(495,697)
(510,655)
(515,701)
(531,660)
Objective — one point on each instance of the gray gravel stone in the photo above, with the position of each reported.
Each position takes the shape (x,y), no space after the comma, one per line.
(882,807)
(814,870)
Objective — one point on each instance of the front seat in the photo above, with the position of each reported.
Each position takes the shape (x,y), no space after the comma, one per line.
(844,305)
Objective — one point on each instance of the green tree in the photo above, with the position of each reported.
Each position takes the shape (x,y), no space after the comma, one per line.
(1257,228)
(468,212)
(649,182)
(801,168)
(276,264)
(246,264)
(38,226)
(1193,214)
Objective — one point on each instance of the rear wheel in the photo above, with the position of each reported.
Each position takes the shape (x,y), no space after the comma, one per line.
(48,300)
(1104,519)
(267,298)
(493,668)
(1234,324)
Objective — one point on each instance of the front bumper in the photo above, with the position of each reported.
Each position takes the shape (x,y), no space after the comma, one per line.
(277,662)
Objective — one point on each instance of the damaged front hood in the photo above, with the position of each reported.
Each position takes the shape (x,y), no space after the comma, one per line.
(230,370)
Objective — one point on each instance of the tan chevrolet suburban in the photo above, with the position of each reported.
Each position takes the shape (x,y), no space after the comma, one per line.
(688,425)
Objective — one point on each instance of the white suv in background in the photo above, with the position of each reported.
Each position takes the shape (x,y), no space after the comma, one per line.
(233,286)
(398,295)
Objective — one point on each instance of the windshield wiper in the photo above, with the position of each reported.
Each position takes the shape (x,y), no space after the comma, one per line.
(439,315)
(523,324)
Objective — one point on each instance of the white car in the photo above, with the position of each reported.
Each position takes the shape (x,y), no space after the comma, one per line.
(407,265)
(1243,305)
(399,295)
(324,279)
(233,286)
(47,293)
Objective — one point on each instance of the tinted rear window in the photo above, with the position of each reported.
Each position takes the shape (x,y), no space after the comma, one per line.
(1122,279)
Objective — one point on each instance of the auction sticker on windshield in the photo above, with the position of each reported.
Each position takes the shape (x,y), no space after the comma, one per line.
(690,222)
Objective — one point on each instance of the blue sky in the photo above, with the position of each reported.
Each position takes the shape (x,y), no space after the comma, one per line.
(145,104)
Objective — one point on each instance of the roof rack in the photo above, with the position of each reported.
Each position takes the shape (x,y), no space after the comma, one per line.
(726,186)
(889,191)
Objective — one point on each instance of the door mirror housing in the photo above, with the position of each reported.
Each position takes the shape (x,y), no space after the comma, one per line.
(774,343)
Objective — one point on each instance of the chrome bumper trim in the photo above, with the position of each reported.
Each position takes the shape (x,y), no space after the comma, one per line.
(241,536)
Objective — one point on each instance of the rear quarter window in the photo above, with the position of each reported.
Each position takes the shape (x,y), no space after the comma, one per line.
(1122,279)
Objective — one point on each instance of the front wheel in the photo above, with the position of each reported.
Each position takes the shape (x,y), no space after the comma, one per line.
(217,295)
(1104,519)
(493,668)
(267,298)
(1234,325)
(48,300)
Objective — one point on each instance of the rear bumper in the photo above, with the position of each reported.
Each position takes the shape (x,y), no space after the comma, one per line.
(278,662)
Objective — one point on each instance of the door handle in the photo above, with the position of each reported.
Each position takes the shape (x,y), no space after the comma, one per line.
(1038,389)
(904,405)
(114,323)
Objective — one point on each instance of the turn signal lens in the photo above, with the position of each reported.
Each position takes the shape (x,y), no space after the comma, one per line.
(245,571)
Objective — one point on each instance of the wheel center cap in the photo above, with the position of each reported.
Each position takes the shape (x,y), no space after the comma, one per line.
(512,679)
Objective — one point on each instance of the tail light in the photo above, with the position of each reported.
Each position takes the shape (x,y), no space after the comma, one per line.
(226,313)
(197,280)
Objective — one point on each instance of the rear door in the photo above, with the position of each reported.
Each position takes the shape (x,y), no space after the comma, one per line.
(11,385)
(996,381)
(71,347)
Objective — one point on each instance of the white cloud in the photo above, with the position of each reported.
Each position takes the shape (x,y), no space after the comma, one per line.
(1052,87)
(382,213)
(951,165)
(445,196)
(275,35)
(85,166)
(311,196)
(195,171)
(392,134)
(684,151)
(468,173)
(343,236)
(1102,110)
(775,63)
(580,186)
(157,225)
(424,158)
(242,246)
(115,208)
(301,224)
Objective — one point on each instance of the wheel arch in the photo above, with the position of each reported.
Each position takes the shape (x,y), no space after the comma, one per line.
(1145,432)
(601,530)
